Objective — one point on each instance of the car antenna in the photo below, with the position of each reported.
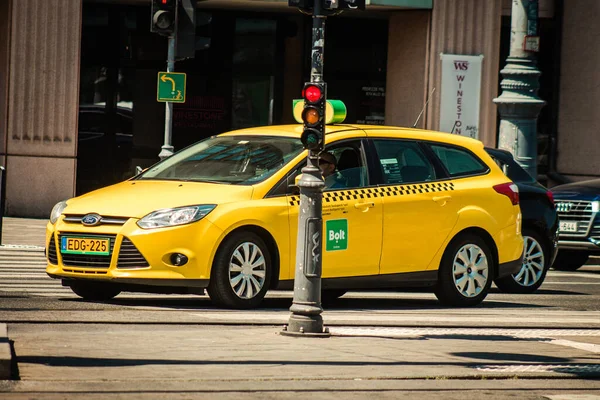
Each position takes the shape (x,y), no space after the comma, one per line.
(423,110)
(453,126)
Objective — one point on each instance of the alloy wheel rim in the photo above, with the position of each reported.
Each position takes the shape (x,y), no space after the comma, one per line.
(470,270)
(247,270)
(533,263)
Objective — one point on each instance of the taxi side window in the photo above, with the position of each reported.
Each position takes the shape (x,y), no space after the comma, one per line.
(459,162)
(351,171)
(403,161)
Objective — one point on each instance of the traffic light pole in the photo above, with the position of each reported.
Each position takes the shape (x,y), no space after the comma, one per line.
(167,148)
(305,318)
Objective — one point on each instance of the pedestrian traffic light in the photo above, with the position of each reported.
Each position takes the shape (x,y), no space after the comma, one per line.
(164,15)
(313,115)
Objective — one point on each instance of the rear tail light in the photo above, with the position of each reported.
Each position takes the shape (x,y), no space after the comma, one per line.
(510,190)
(550,197)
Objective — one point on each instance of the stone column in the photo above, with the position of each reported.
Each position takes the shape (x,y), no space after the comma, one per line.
(42,104)
(468,27)
(406,91)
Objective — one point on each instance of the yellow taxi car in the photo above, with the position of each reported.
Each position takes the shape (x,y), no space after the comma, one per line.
(409,209)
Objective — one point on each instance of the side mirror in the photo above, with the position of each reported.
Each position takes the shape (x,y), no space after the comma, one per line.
(139,170)
(295,189)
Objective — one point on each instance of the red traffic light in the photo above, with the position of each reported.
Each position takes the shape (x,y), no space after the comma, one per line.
(312,93)
(162,15)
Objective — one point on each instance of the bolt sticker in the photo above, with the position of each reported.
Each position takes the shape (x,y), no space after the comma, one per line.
(336,233)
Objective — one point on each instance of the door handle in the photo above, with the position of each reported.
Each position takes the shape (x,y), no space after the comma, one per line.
(364,205)
(442,199)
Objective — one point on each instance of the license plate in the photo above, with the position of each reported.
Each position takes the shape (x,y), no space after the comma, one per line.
(567,226)
(80,245)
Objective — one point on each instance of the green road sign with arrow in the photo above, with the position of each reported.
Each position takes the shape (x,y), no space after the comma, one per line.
(171,87)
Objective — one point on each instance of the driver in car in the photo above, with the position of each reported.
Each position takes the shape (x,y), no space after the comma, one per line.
(328,166)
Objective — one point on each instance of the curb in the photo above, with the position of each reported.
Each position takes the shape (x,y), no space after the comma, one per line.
(5,354)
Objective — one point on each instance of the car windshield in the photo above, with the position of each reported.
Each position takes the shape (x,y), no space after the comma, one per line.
(227,159)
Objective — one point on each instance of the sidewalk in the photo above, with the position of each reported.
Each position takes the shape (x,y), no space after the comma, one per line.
(214,359)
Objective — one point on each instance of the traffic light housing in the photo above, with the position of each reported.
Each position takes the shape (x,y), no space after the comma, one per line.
(186,30)
(163,17)
(313,115)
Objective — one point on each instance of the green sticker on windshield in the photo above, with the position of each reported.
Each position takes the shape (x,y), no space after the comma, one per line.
(336,235)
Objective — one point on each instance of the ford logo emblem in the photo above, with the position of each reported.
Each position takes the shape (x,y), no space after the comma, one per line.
(91,220)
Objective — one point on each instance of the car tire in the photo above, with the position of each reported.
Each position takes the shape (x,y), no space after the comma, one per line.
(241,272)
(466,271)
(567,260)
(533,271)
(93,291)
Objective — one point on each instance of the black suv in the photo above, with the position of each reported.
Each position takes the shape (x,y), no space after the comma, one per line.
(578,206)
(540,227)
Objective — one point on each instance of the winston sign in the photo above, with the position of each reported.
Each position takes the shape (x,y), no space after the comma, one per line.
(461,88)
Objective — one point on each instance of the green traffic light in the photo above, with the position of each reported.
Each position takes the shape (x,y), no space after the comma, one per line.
(311,139)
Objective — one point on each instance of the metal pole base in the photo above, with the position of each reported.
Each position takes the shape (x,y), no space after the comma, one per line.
(304,326)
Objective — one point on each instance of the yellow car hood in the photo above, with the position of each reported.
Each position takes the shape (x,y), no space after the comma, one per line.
(139,198)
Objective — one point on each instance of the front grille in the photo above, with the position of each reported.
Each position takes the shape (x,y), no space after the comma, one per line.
(84,271)
(52,257)
(130,257)
(76,219)
(88,260)
(596,230)
(579,211)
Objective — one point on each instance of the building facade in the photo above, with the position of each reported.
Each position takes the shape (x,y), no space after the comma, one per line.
(78,79)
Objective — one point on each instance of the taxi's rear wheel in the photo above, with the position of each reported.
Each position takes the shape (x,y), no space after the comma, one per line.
(241,272)
(466,272)
(94,291)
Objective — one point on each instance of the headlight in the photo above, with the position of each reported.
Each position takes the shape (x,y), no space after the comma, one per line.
(595,206)
(175,216)
(57,211)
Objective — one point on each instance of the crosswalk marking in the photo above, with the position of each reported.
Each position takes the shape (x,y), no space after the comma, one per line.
(23,271)
(23,268)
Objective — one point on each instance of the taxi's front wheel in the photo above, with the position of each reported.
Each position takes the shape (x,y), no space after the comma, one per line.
(94,291)
(241,272)
(466,272)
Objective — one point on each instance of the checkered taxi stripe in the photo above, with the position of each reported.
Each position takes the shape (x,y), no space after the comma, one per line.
(387,191)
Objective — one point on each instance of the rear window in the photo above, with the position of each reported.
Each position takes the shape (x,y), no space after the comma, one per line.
(459,162)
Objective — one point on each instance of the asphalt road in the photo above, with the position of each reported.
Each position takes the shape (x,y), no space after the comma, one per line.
(382,344)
